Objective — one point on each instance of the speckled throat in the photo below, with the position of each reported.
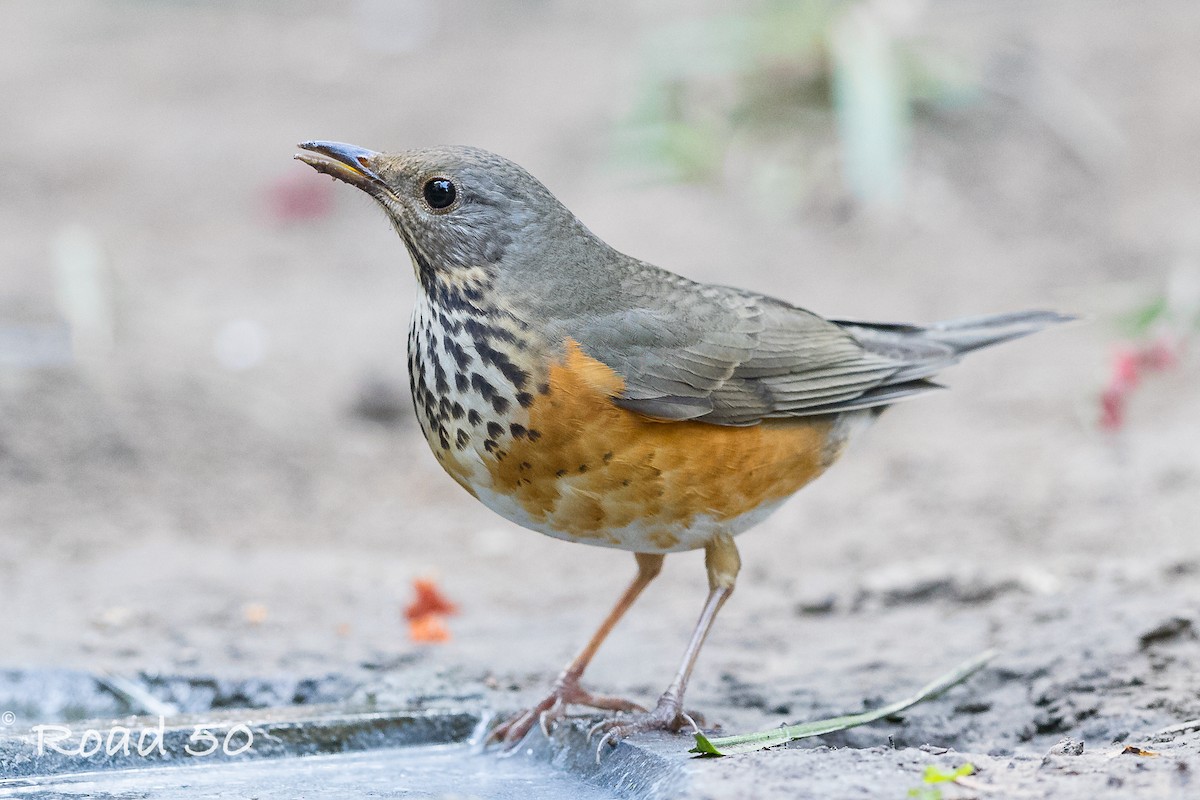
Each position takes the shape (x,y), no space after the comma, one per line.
(471,370)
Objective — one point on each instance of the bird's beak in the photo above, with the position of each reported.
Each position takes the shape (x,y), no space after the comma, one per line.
(344,162)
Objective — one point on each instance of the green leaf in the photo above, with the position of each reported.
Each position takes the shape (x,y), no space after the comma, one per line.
(749,742)
(925,793)
(934,774)
(1140,320)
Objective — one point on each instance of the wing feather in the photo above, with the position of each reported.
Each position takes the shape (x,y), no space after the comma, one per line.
(729,357)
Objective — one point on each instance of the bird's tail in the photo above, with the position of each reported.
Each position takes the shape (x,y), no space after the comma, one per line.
(950,338)
(924,350)
(972,333)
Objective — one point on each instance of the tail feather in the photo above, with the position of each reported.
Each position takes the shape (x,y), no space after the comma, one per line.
(919,343)
(922,351)
(972,333)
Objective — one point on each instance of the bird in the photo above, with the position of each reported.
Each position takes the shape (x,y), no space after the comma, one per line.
(590,396)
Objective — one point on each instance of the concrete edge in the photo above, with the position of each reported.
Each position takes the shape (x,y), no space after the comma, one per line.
(227,736)
(650,769)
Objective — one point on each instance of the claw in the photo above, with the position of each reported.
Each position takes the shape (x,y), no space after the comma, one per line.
(495,734)
(550,716)
(552,708)
(599,726)
(666,716)
(609,738)
(509,733)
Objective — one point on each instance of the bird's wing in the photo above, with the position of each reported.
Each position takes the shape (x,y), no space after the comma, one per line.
(728,357)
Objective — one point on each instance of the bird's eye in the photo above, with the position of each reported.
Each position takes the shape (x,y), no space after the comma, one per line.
(440,193)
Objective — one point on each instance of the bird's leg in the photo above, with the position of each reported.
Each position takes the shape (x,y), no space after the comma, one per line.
(567,690)
(722,561)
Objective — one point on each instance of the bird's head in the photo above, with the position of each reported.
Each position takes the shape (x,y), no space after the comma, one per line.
(457,208)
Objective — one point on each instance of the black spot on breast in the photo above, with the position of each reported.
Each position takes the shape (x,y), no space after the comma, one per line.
(490,445)
(608,457)
(461,383)
(457,411)
(543,388)
(560,473)
(515,375)
(482,331)
(456,351)
(518,431)
(494,430)
(439,374)
(582,468)
(453,297)
(511,372)
(481,385)
(534,434)
(449,325)
(525,399)
(461,438)
(473,417)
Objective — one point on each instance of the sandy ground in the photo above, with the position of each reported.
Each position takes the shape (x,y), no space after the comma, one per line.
(163,512)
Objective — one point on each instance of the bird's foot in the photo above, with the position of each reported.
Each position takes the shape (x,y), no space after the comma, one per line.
(552,708)
(668,715)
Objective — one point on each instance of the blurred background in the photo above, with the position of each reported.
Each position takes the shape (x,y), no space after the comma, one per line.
(208,461)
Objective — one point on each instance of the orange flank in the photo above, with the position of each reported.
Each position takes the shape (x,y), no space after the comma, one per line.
(588,467)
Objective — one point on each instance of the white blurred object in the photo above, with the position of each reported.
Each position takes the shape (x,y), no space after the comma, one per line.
(1183,294)
(395,26)
(870,100)
(240,344)
(83,290)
